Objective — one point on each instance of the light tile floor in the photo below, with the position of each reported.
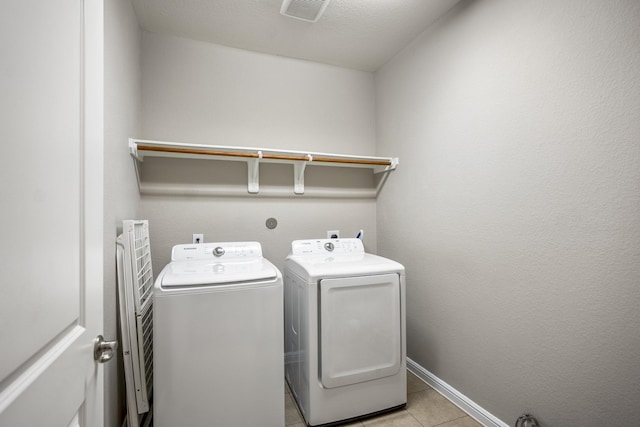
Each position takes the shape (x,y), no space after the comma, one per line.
(425,408)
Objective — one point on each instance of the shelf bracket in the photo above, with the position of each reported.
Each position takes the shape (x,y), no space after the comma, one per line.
(298,174)
(133,150)
(253,174)
(384,169)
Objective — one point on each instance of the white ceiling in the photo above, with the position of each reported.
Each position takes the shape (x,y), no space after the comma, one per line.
(359,34)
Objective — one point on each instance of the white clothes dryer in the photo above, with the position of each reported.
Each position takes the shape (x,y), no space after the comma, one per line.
(218,338)
(345,350)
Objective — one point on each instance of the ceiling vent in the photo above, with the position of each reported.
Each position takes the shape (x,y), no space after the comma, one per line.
(306,10)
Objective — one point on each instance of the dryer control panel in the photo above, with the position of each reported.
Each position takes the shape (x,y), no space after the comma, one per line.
(325,246)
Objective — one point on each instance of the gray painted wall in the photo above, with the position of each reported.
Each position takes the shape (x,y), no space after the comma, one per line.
(516,206)
(122,119)
(203,93)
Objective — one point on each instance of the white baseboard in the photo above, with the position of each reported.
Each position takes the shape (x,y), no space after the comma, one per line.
(457,398)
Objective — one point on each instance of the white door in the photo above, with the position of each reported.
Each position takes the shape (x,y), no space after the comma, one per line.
(360,329)
(51,217)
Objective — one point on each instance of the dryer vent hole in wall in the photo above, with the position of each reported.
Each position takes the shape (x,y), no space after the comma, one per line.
(271,223)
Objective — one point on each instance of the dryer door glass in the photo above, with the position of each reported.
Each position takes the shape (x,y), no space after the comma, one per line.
(359,329)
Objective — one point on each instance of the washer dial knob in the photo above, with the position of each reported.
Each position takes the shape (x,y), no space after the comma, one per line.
(219,251)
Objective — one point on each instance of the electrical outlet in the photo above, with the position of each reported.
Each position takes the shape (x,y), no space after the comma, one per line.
(198,238)
(333,234)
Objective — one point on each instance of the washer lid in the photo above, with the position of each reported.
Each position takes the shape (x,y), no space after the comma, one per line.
(209,272)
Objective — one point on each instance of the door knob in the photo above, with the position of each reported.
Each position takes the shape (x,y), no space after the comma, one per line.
(103,350)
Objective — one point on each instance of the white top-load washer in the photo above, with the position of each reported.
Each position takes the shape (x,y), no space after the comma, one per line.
(218,338)
(345,351)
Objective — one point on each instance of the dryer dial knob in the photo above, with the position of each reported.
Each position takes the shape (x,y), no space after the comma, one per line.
(329,246)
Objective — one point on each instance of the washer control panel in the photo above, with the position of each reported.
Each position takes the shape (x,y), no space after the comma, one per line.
(327,246)
(216,251)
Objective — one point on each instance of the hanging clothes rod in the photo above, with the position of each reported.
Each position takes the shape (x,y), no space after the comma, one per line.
(308,158)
